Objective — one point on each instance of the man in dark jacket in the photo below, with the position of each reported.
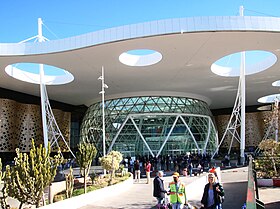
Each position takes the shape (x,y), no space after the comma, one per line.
(159,191)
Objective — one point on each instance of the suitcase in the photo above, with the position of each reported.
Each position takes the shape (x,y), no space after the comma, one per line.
(166,204)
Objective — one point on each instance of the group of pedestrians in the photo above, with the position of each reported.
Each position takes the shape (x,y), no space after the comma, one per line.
(212,197)
(168,162)
(137,171)
(176,191)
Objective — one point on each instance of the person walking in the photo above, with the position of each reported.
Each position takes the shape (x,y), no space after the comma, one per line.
(177,192)
(213,170)
(159,191)
(190,169)
(148,171)
(199,167)
(213,194)
(137,171)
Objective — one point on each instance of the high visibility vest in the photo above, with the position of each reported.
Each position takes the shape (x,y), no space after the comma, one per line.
(177,196)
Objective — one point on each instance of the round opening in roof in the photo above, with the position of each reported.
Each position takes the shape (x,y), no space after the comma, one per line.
(140,57)
(30,72)
(269,98)
(255,61)
(276,83)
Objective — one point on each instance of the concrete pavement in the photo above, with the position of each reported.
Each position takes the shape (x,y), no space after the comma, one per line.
(235,183)
(270,196)
(140,194)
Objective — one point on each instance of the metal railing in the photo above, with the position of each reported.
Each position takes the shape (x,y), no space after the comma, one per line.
(252,200)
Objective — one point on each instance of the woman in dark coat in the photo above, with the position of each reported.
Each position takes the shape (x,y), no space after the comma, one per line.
(159,191)
(213,194)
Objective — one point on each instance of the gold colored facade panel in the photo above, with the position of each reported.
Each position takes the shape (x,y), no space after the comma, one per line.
(255,128)
(20,123)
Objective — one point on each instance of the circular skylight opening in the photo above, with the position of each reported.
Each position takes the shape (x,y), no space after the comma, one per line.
(140,57)
(255,62)
(276,83)
(30,72)
(269,99)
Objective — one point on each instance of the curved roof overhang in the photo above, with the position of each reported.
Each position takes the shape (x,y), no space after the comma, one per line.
(189,46)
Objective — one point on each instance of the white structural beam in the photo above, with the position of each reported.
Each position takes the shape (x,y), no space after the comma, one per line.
(142,137)
(166,139)
(118,133)
(243,90)
(43,106)
(190,132)
(277,118)
(51,131)
(42,87)
(54,133)
(237,118)
(208,135)
(103,86)
(131,116)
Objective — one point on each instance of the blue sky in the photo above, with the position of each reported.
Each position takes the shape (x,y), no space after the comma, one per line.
(66,18)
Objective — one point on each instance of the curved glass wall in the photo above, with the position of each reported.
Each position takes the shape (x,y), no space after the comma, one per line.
(151,125)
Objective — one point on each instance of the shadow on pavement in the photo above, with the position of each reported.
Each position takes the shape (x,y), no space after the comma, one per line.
(128,206)
(274,205)
(235,195)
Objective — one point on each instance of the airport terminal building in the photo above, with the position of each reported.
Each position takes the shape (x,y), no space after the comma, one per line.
(169,91)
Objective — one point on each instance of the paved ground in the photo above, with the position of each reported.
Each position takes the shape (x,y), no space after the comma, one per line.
(140,195)
(235,185)
(234,181)
(270,196)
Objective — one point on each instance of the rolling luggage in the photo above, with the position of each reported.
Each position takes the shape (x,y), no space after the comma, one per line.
(166,204)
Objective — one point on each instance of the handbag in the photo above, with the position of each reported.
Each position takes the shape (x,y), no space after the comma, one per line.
(221,198)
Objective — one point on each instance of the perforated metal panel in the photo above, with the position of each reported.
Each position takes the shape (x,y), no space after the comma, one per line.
(19,123)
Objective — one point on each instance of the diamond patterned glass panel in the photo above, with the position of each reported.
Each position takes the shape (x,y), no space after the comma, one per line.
(154,118)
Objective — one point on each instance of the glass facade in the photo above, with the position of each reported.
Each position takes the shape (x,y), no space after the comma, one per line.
(151,125)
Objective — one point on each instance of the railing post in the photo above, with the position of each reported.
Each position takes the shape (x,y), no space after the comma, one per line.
(255,179)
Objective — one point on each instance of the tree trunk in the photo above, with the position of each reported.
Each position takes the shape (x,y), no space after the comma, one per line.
(273,162)
(43,199)
(85,182)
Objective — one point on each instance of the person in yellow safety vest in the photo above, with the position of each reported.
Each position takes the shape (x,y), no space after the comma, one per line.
(177,192)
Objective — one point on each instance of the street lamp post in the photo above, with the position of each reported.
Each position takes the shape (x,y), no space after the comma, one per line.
(102,92)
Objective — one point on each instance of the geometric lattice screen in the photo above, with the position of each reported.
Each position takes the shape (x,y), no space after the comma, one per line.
(19,123)
(256,125)
(151,125)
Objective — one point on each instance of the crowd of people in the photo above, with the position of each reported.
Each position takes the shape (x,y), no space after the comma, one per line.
(178,163)
(176,192)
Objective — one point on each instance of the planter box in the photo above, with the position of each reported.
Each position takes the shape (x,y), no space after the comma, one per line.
(86,199)
(265,182)
(276,182)
(269,182)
